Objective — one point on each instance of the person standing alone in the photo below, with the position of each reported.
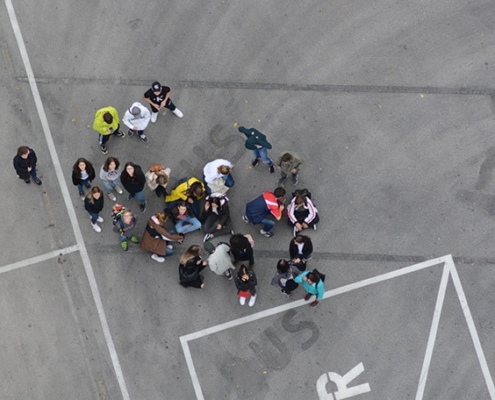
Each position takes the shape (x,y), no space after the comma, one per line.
(25,164)
(106,123)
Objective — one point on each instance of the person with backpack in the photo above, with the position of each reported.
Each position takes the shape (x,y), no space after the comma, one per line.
(190,267)
(245,282)
(301,212)
(312,282)
(257,142)
(133,180)
(216,216)
(300,250)
(284,277)
(83,174)
(188,189)
(124,222)
(268,203)
(241,248)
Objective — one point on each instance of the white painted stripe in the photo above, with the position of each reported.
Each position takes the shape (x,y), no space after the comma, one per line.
(38,259)
(68,202)
(276,310)
(473,331)
(423,376)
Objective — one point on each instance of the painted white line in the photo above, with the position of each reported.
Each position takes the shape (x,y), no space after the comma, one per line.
(276,310)
(473,331)
(423,376)
(68,202)
(38,259)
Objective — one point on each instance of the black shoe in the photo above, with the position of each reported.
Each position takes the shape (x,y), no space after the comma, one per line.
(142,207)
(88,186)
(104,149)
(130,132)
(255,162)
(27,180)
(130,196)
(37,181)
(272,169)
(120,134)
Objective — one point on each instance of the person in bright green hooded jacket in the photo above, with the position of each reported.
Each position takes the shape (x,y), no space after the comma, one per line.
(107,123)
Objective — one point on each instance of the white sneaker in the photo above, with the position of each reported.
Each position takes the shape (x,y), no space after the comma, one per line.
(178,113)
(118,189)
(100,219)
(242,300)
(96,227)
(156,257)
(252,300)
(154,116)
(112,196)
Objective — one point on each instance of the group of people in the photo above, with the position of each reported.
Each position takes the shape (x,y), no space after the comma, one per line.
(193,204)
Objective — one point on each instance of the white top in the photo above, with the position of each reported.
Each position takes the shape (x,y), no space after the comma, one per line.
(140,122)
(210,171)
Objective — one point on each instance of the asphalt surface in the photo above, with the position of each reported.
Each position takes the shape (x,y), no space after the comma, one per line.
(392,106)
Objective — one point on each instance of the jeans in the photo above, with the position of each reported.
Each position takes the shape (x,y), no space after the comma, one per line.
(139,197)
(94,217)
(268,224)
(263,154)
(84,182)
(172,204)
(189,224)
(168,252)
(284,175)
(102,139)
(108,185)
(33,172)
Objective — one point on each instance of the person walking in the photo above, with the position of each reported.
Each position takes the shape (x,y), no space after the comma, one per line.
(124,222)
(157,178)
(133,180)
(185,222)
(284,277)
(83,174)
(300,250)
(158,97)
(289,163)
(137,118)
(156,238)
(241,248)
(106,123)
(313,285)
(109,174)
(25,164)
(215,218)
(257,143)
(219,259)
(245,282)
(93,204)
(268,203)
(217,176)
(190,267)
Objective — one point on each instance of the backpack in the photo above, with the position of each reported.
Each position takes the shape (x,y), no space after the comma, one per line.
(181,181)
(117,211)
(302,192)
(319,274)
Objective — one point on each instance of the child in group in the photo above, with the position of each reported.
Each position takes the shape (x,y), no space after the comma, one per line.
(313,285)
(261,207)
(109,175)
(300,250)
(257,142)
(245,282)
(137,118)
(157,178)
(284,277)
(301,212)
(156,238)
(133,180)
(216,216)
(289,163)
(218,177)
(185,222)
(93,204)
(188,189)
(83,174)
(241,248)
(191,264)
(219,260)
(124,222)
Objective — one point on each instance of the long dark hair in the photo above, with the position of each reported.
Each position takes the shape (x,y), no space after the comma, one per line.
(77,171)
(283,266)
(134,178)
(108,161)
(239,242)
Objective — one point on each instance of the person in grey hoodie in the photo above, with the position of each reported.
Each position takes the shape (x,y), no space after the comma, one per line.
(137,118)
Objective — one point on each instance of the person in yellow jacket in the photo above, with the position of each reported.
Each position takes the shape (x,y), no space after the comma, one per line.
(106,123)
(190,190)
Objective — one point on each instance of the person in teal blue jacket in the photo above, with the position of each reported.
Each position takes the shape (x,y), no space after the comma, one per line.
(313,285)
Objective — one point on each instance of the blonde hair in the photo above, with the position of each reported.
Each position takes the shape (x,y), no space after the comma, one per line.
(162,217)
(191,252)
(90,195)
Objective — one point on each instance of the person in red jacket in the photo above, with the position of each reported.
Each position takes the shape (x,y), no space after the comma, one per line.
(261,207)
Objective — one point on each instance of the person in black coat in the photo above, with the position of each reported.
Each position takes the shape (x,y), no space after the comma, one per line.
(93,204)
(25,164)
(133,180)
(216,216)
(300,250)
(83,174)
(241,248)
(191,264)
(245,282)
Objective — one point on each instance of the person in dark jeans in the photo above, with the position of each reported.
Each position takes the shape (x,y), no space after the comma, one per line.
(25,164)
(284,277)
(158,97)
(191,264)
(241,248)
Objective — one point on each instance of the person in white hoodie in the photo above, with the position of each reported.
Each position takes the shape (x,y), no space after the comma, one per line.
(137,118)
(217,176)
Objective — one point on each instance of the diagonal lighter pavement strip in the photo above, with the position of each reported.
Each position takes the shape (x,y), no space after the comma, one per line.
(449,270)
(68,202)
(38,259)
(483,91)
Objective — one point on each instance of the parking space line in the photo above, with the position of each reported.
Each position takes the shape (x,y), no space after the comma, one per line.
(276,310)
(38,259)
(423,376)
(68,202)
(472,330)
